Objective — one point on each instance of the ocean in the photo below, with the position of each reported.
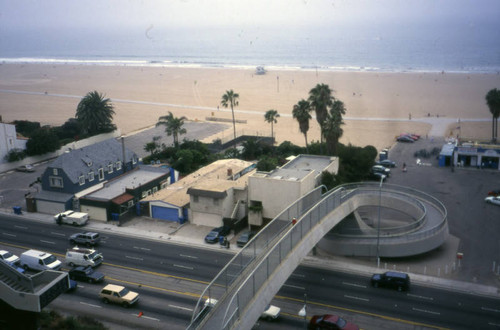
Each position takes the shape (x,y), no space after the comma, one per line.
(433,47)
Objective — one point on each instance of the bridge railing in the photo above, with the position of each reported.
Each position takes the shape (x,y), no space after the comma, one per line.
(255,247)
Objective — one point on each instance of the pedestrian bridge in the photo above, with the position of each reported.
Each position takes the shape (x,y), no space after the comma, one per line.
(247,284)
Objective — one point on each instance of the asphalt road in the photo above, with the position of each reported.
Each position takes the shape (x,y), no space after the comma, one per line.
(169,279)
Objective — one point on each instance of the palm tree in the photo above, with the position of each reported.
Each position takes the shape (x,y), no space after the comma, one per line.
(320,97)
(272,116)
(95,113)
(230,99)
(301,112)
(332,126)
(493,102)
(173,126)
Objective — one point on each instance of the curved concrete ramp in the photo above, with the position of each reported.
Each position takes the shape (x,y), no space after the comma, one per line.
(253,277)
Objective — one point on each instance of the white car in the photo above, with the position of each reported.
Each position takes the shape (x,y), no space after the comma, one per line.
(9,257)
(271,313)
(493,200)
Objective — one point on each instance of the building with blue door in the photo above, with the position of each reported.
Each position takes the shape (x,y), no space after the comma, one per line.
(477,155)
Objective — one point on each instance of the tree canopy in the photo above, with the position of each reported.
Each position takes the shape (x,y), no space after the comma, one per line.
(230,99)
(271,116)
(173,126)
(493,102)
(95,114)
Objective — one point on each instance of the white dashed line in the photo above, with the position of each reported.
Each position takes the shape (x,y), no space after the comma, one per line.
(48,242)
(180,307)
(84,303)
(135,258)
(355,285)
(357,298)
(426,311)
(186,267)
(7,234)
(186,256)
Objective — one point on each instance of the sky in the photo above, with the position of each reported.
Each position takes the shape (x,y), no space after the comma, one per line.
(119,14)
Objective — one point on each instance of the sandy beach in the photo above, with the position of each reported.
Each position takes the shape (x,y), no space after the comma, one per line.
(379,105)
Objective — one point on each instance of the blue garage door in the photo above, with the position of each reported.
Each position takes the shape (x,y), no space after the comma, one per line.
(165,213)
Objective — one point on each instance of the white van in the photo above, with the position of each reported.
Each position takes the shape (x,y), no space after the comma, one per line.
(39,260)
(83,257)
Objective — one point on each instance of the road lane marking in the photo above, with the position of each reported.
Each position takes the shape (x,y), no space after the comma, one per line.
(294,286)
(180,307)
(357,298)
(299,275)
(11,235)
(146,317)
(490,309)
(20,227)
(354,284)
(181,266)
(84,303)
(187,256)
(48,242)
(141,248)
(58,234)
(135,258)
(426,311)
(417,296)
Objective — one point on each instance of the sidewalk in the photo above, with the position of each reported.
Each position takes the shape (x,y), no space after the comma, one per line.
(193,235)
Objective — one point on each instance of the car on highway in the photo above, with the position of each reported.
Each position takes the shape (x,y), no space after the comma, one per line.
(492,200)
(494,192)
(245,238)
(119,295)
(9,257)
(87,239)
(86,274)
(393,280)
(404,138)
(215,234)
(386,163)
(25,168)
(271,313)
(381,169)
(329,321)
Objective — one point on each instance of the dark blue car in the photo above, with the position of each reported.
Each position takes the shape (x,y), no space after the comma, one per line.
(215,234)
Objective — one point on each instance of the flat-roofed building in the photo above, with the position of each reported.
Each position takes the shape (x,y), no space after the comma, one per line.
(269,193)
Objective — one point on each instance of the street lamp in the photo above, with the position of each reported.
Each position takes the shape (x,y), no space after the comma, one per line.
(382,177)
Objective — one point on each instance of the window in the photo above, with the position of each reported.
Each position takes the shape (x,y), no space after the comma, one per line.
(134,160)
(54,171)
(81,180)
(91,176)
(216,202)
(118,165)
(110,168)
(130,203)
(196,199)
(155,189)
(56,181)
(101,174)
(144,194)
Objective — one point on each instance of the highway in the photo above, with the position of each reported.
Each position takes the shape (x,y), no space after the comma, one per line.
(170,277)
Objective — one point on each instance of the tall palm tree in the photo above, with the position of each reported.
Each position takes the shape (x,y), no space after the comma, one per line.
(320,97)
(272,116)
(493,102)
(301,112)
(173,126)
(332,126)
(95,113)
(230,99)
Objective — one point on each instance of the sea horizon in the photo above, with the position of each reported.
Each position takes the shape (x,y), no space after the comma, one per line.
(429,48)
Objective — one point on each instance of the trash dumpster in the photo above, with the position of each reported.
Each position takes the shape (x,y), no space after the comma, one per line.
(17,210)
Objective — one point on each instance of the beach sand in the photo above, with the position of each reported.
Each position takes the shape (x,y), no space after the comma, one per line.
(378,105)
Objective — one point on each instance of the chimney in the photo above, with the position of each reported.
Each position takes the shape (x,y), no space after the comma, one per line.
(229,172)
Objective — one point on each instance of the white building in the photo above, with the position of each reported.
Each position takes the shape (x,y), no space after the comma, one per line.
(9,140)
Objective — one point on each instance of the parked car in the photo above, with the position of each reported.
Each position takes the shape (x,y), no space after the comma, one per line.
(393,280)
(377,176)
(119,295)
(25,168)
(386,163)
(381,169)
(86,274)
(492,200)
(214,235)
(71,218)
(404,138)
(329,321)
(245,238)
(271,313)
(9,257)
(87,238)
(494,192)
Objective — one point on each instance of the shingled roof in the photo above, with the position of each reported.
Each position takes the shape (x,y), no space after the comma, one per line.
(81,161)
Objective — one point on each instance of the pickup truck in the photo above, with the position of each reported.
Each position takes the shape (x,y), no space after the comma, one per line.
(72,218)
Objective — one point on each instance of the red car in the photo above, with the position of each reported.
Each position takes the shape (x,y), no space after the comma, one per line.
(329,321)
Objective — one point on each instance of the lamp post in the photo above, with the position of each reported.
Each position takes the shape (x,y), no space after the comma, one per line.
(382,177)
